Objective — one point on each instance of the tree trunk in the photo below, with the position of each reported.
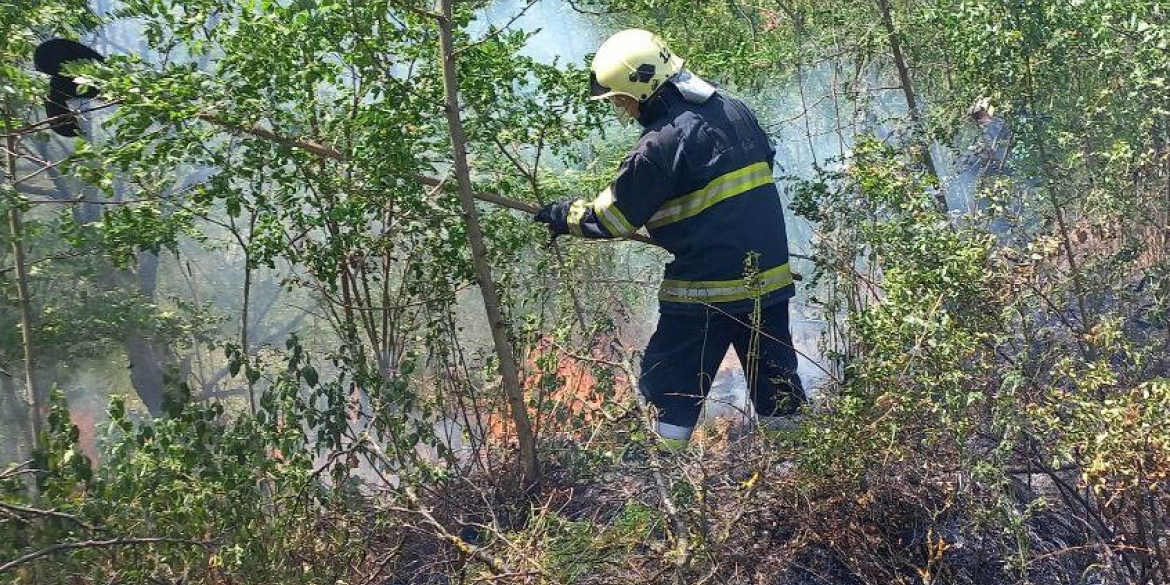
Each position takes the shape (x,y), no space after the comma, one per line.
(907,83)
(149,359)
(35,404)
(147,374)
(13,421)
(483,272)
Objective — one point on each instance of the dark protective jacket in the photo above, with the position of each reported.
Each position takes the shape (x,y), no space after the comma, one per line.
(700,180)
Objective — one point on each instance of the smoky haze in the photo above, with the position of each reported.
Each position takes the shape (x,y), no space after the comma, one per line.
(810,121)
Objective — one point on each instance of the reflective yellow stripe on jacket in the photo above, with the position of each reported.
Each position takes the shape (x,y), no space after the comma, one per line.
(719,189)
(576,213)
(722,291)
(607,213)
(611,217)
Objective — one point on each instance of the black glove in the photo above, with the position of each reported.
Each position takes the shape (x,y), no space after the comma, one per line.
(554,215)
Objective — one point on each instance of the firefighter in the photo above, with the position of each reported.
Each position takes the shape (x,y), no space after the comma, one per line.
(700,181)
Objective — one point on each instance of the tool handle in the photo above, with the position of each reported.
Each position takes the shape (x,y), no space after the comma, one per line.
(324,151)
(517,205)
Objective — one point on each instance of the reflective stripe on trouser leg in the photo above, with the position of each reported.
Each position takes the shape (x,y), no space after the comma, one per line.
(674,437)
(674,432)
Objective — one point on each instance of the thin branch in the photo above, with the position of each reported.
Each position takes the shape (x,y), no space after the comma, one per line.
(258,131)
(82,199)
(496,566)
(498,31)
(24,468)
(47,122)
(64,546)
(45,259)
(682,541)
(43,169)
(49,513)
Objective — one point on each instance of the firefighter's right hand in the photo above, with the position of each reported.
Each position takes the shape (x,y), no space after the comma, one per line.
(554,215)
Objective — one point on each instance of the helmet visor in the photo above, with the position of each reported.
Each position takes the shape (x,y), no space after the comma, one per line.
(596,90)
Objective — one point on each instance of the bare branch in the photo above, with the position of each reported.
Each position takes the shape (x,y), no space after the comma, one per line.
(47,122)
(498,31)
(24,468)
(65,546)
(49,513)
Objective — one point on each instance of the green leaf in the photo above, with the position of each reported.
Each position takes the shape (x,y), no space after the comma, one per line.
(310,375)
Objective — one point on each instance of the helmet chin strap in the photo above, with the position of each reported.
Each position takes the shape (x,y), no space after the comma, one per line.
(623,115)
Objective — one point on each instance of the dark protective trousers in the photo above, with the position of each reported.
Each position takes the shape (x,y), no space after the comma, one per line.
(686,349)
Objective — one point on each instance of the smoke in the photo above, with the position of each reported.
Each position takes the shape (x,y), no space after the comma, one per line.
(561,34)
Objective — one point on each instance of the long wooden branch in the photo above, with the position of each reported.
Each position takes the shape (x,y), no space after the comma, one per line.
(327,152)
(330,153)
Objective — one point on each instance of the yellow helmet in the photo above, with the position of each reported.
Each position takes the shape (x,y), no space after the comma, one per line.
(634,63)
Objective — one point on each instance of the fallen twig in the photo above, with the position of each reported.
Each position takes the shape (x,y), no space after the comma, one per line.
(417,507)
(496,566)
